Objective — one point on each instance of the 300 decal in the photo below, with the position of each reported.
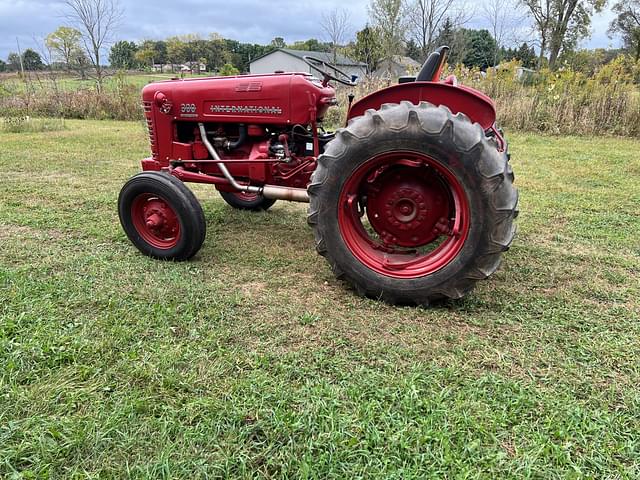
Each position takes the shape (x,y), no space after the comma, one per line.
(188,108)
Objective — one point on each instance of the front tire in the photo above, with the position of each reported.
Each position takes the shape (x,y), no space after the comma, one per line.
(412,204)
(161,216)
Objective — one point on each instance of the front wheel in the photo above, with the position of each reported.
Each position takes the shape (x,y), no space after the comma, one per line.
(412,204)
(161,216)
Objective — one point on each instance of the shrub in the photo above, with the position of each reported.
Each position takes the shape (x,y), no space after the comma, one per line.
(46,99)
(562,102)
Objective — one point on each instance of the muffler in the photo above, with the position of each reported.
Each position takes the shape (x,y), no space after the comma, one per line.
(283,193)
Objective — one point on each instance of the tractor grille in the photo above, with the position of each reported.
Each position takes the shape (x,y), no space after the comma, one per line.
(148,114)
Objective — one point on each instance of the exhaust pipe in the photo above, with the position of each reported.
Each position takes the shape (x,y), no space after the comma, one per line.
(284,193)
(269,191)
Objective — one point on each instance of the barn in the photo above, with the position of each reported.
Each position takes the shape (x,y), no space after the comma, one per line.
(287,60)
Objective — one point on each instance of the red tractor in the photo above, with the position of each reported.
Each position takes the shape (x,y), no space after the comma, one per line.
(413,201)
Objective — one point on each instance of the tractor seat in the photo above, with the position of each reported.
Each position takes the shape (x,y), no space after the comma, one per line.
(433,65)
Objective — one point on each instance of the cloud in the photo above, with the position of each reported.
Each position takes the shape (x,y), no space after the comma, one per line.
(599,26)
(255,21)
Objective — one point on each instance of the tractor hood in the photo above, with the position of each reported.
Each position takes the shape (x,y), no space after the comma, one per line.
(287,98)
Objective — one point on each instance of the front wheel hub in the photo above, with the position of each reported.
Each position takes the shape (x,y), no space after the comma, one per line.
(155,221)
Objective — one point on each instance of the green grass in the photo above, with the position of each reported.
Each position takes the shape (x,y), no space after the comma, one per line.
(252,361)
(18,124)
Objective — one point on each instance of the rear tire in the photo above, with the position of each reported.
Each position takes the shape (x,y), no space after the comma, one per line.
(161,216)
(429,152)
(247,201)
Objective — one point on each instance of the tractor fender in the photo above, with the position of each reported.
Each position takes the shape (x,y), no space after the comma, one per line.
(474,104)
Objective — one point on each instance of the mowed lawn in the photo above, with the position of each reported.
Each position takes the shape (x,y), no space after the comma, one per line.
(252,361)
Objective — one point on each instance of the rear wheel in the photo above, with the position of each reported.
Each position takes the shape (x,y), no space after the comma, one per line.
(161,216)
(412,204)
(247,201)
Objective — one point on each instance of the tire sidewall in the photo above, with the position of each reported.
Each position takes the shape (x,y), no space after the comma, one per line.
(444,149)
(166,188)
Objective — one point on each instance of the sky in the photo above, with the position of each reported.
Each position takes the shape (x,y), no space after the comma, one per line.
(255,21)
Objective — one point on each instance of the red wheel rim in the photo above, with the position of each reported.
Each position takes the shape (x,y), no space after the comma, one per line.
(416,215)
(246,196)
(155,221)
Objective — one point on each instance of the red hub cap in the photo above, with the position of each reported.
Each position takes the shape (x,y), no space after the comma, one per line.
(404,215)
(155,221)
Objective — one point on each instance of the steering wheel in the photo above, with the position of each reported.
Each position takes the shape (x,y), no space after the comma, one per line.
(339,76)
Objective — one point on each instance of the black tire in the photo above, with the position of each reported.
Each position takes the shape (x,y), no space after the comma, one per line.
(451,140)
(182,202)
(237,201)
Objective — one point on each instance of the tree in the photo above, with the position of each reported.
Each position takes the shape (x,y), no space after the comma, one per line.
(160,51)
(627,24)
(412,50)
(368,47)
(278,42)
(64,43)
(216,52)
(561,23)
(32,60)
(151,52)
(246,52)
(335,25)
(425,18)
(97,20)
(237,53)
(387,16)
(479,48)
(502,18)
(14,62)
(228,70)
(3,66)
(123,55)
(81,63)
(455,38)
(176,51)
(311,45)
(526,55)
(446,33)
(145,56)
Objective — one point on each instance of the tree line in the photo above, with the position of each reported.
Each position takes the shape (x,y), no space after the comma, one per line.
(553,27)
(413,28)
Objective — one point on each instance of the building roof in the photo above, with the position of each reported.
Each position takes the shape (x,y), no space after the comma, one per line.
(325,56)
(405,61)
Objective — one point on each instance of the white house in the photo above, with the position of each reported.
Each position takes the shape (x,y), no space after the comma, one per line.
(287,60)
(397,66)
(193,67)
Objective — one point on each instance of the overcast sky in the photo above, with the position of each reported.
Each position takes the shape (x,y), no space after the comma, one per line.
(256,21)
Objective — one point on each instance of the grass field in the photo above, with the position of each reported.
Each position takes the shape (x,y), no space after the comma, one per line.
(252,361)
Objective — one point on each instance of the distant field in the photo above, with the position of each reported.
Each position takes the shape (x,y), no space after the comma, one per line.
(66,82)
(252,361)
